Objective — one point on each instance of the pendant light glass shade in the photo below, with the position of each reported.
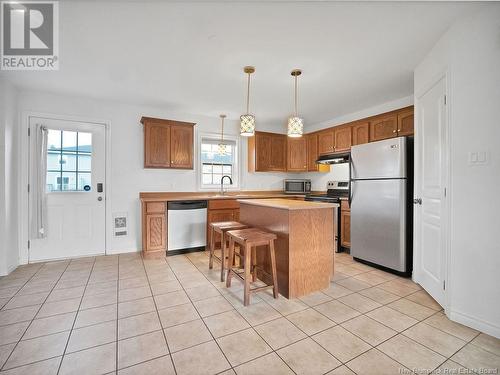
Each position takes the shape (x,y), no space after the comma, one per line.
(247,125)
(247,121)
(221,149)
(295,123)
(295,127)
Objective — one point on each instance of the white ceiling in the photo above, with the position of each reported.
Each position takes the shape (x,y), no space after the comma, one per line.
(188,57)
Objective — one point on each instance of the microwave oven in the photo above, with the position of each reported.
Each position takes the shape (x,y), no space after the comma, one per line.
(297,186)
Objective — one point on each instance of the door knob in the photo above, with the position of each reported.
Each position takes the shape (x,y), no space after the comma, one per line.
(99,199)
(417,201)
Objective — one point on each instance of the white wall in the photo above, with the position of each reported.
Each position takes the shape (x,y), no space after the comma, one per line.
(9,254)
(128,177)
(470,52)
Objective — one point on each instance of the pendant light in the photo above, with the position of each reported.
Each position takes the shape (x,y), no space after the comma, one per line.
(295,124)
(222,146)
(247,121)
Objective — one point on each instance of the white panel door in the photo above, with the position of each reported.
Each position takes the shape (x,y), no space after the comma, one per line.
(75,190)
(430,183)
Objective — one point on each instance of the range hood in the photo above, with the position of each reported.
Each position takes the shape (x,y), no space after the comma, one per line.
(337,158)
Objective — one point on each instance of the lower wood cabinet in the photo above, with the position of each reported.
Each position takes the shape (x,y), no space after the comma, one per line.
(154,227)
(345,224)
(221,210)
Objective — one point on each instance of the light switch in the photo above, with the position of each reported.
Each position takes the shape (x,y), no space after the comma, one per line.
(478,157)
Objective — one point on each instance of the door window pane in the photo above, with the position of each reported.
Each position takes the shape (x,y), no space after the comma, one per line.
(69,160)
(84,162)
(69,141)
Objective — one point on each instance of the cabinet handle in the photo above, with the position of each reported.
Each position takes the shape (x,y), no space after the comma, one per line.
(394,131)
(399,130)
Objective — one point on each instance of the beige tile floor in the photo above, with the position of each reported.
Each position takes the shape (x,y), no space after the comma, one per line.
(120,314)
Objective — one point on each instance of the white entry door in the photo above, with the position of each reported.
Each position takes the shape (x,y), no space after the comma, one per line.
(75,190)
(430,194)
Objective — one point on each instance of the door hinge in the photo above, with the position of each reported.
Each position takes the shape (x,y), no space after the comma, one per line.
(29,244)
(445,100)
(29,132)
(444,284)
(445,192)
(28,188)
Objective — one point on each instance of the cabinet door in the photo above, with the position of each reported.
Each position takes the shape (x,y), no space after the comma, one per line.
(405,122)
(156,232)
(263,152)
(297,154)
(360,133)
(181,145)
(312,152)
(278,153)
(215,216)
(383,127)
(156,145)
(343,139)
(326,142)
(345,228)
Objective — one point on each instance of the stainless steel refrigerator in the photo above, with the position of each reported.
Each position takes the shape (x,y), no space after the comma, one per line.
(381,209)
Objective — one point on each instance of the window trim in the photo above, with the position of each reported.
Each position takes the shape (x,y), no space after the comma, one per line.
(236,165)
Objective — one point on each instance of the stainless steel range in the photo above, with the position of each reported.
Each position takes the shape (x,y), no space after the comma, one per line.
(334,191)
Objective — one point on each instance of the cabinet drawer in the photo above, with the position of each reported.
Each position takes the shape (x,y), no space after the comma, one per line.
(155,207)
(222,204)
(344,205)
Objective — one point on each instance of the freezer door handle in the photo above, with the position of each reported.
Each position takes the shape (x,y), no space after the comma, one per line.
(417,201)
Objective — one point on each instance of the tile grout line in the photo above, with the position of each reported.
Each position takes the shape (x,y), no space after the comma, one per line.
(31,321)
(157,312)
(253,328)
(76,316)
(192,303)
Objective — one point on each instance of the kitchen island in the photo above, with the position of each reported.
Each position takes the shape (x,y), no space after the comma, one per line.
(305,243)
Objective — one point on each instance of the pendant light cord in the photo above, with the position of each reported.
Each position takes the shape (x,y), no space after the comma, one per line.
(222,131)
(248,93)
(296,96)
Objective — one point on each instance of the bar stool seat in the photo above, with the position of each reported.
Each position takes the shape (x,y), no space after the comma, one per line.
(221,228)
(248,239)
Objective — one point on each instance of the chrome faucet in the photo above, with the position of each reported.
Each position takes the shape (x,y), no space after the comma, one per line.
(222,183)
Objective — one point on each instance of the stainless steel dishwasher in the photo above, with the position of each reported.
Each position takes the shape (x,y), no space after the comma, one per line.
(187,226)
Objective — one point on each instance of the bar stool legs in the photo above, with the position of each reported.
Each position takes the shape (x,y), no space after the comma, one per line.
(248,241)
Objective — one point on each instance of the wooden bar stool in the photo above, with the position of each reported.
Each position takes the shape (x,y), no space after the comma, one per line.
(248,239)
(221,228)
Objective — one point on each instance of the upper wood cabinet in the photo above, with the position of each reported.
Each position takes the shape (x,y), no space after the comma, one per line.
(405,122)
(267,152)
(343,138)
(383,127)
(167,143)
(297,157)
(312,152)
(326,141)
(181,146)
(360,133)
(278,152)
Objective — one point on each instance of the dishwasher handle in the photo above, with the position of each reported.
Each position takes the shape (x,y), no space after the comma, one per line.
(186,205)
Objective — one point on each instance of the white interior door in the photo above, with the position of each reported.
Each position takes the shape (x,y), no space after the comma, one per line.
(430,183)
(75,190)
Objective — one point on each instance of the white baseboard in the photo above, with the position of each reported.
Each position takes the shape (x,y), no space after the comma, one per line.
(122,251)
(479,324)
(5,272)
